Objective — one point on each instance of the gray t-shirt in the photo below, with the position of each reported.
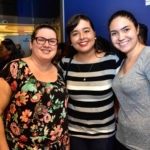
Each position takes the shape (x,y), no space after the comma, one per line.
(133,93)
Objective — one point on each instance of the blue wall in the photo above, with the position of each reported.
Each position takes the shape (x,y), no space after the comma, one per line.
(100,10)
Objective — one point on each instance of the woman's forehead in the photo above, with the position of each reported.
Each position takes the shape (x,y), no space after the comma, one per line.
(45,32)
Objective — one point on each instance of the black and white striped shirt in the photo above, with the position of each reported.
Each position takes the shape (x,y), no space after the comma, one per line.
(91,103)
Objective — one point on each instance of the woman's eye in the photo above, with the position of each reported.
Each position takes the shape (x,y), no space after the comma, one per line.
(126,30)
(113,33)
(74,34)
(41,40)
(86,31)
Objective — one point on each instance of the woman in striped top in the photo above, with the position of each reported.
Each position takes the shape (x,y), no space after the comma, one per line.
(89,73)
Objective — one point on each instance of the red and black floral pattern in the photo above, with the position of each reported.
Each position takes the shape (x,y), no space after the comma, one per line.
(36,115)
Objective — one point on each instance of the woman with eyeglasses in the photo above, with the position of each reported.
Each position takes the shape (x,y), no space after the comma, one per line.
(34,98)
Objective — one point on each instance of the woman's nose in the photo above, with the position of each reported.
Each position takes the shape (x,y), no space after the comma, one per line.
(46,43)
(82,35)
(121,36)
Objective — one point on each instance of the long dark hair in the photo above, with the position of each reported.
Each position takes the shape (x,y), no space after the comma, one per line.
(100,42)
(126,14)
(143,33)
(10,46)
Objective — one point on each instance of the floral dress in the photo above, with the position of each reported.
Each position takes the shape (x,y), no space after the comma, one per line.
(35,118)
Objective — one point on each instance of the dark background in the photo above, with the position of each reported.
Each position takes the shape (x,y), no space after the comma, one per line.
(30,8)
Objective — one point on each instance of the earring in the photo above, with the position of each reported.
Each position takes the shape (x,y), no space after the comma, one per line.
(95,38)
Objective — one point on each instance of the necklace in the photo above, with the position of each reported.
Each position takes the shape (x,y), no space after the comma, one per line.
(90,68)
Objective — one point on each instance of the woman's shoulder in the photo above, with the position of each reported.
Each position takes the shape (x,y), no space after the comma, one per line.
(66,59)
(12,62)
(112,56)
(146,50)
(18,61)
(145,54)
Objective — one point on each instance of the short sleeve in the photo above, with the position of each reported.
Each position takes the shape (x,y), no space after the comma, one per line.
(10,72)
(118,63)
(61,64)
(60,71)
(146,65)
(64,64)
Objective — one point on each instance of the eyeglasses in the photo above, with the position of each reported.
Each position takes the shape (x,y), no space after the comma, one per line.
(42,41)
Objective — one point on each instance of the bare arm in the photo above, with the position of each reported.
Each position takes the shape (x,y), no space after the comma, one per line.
(5,93)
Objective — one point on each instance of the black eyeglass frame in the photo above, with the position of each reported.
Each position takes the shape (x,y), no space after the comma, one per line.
(44,41)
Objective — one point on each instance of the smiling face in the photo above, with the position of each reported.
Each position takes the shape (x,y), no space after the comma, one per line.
(45,52)
(83,37)
(124,34)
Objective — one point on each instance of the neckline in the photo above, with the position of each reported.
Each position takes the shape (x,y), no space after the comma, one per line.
(121,76)
(35,76)
(86,63)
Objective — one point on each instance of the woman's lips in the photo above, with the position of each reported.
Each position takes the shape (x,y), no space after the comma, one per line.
(82,44)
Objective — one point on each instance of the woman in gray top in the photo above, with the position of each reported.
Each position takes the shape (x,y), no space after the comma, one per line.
(131,85)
